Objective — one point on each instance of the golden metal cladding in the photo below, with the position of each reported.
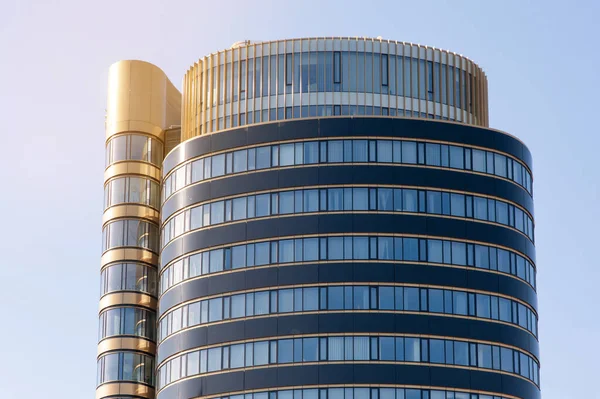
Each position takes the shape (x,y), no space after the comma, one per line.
(128,254)
(126,343)
(141,98)
(131,210)
(127,298)
(132,168)
(124,389)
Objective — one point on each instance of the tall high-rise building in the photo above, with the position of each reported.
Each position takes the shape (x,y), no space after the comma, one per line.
(322,218)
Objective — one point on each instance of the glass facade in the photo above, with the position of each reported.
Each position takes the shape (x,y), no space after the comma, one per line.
(300,78)
(337,221)
(281,252)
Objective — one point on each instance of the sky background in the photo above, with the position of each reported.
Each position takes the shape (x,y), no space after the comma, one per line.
(542,63)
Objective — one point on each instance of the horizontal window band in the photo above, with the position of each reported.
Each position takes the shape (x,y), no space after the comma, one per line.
(348,186)
(321,152)
(347,248)
(168,173)
(350,348)
(229,395)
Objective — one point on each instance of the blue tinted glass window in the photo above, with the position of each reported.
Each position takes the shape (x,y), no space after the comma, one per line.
(384,151)
(456,157)
(360,151)
(434,202)
(411,299)
(460,303)
(311,152)
(286,154)
(361,298)
(261,302)
(500,165)
(215,309)
(479,161)
(436,301)
(335,298)
(218,165)
(310,299)
(434,251)
(310,350)
(263,205)
(483,306)
(436,351)
(409,152)
(285,350)
(335,247)
(311,200)
(386,349)
(240,161)
(386,298)
(412,350)
(286,202)
(457,205)
(459,253)
(335,151)
(503,261)
(335,348)
(238,305)
(433,154)
(482,257)
(263,157)
(385,248)
(238,257)
(360,199)
(411,249)
(484,356)
(409,200)
(506,359)
(461,353)
(261,256)
(480,208)
(335,199)
(384,199)
(286,301)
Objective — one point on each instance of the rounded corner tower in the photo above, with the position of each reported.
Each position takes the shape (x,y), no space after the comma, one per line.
(336,222)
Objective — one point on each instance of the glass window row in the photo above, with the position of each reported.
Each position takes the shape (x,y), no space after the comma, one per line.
(362,199)
(347,297)
(227,81)
(342,151)
(132,190)
(349,348)
(340,71)
(130,233)
(125,366)
(134,147)
(364,248)
(128,277)
(127,321)
(312,111)
(348,392)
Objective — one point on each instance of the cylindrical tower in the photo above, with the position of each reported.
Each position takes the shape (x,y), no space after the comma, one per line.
(340,255)
(311,77)
(142,103)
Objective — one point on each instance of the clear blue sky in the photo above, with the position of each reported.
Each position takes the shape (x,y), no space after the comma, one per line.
(542,62)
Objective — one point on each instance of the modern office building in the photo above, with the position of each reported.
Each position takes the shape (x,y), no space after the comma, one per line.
(323,218)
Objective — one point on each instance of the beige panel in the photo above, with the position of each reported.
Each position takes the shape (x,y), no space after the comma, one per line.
(124,388)
(132,168)
(126,343)
(125,254)
(131,210)
(127,298)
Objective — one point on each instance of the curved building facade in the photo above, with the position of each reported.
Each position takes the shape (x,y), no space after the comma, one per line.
(142,104)
(306,253)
